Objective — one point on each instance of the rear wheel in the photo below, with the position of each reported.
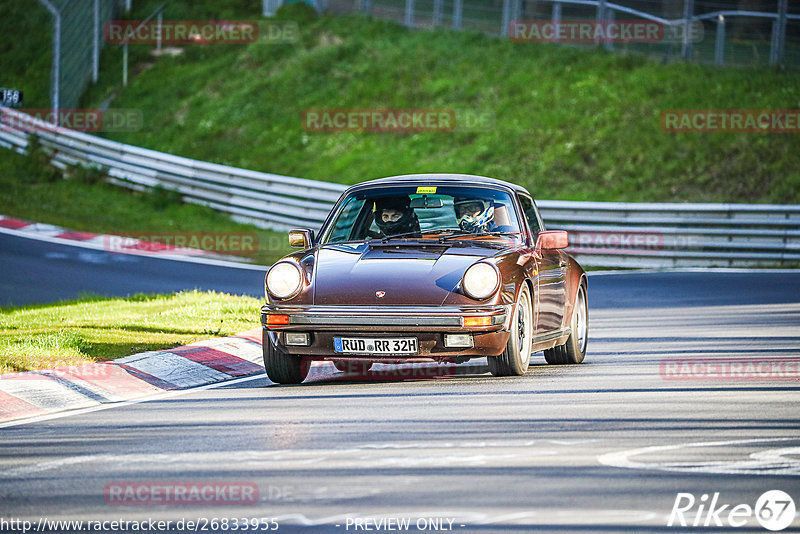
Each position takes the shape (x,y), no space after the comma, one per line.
(517,357)
(574,350)
(281,367)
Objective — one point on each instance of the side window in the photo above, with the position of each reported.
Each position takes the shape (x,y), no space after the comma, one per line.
(343,229)
(531,214)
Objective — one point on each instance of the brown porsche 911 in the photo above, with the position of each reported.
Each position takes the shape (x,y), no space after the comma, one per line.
(428,267)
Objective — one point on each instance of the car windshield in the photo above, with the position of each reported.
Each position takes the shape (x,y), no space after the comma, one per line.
(422,212)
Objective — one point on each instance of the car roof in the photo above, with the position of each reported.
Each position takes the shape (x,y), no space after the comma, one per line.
(460,179)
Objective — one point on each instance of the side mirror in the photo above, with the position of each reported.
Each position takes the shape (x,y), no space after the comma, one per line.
(552,240)
(301,238)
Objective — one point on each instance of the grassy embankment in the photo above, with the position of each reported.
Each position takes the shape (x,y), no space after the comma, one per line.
(99,329)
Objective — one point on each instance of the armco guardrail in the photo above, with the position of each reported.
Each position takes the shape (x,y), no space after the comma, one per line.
(601,233)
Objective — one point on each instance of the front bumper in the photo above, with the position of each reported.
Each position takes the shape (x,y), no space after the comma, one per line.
(427,324)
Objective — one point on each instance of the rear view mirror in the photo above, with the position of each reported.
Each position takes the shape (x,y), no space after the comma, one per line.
(552,240)
(426,202)
(301,238)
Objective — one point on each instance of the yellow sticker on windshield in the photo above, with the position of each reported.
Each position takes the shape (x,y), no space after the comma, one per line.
(426,190)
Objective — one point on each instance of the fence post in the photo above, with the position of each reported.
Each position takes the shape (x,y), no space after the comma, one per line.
(779,35)
(688,13)
(458,10)
(516,10)
(601,16)
(437,12)
(125,64)
(719,48)
(366,7)
(609,18)
(556,14)
(96,43)
(55,72)
(506,19)
(158,38)
(409,19)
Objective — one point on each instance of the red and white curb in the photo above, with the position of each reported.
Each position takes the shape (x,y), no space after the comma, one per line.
(43,392)
(107,242)
(36,393)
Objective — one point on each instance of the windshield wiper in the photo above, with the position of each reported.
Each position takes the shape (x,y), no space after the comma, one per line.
(398,236)
(460,233)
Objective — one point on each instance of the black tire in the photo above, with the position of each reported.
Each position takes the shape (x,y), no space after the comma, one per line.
(282,368)
(517,356)
(574,350)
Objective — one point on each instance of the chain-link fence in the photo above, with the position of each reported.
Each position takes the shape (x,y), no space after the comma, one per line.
(722,32)
(77,30)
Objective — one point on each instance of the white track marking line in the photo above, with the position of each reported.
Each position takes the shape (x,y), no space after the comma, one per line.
(759,463)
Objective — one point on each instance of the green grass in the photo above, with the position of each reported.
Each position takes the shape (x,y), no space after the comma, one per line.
(99,329)
(569,123)
(34,191)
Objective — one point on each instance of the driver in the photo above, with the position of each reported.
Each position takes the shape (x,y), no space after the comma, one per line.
(474,215)
(394,215)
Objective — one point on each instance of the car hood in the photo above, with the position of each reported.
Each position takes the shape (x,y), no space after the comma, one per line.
(405,274)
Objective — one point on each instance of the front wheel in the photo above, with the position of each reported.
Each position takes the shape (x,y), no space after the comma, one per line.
(281,367)
(574,350)
(517,357)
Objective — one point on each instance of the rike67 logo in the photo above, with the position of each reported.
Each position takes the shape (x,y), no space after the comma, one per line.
(774,510)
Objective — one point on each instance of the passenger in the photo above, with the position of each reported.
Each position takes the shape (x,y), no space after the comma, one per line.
(474,215)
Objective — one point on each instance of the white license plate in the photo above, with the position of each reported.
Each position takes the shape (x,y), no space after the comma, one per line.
(383,345)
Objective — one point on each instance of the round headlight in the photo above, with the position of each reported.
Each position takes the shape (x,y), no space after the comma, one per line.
(481,280)
(283,280)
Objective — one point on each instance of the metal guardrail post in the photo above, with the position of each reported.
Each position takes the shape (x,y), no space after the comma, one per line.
(556,14)
(719,46)
(437,12)
(688,13)
(458,10)
(409,18)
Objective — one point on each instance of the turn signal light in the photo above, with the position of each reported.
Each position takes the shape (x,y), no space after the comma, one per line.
(277,319)
(471,322)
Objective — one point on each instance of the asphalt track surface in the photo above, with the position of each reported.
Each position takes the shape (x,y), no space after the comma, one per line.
(34,271)
(605,446)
